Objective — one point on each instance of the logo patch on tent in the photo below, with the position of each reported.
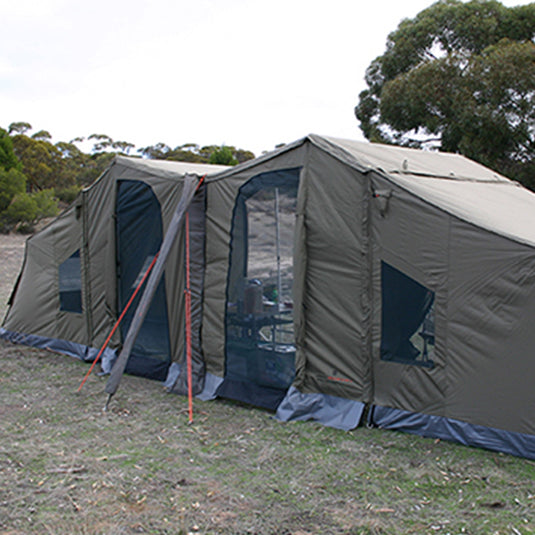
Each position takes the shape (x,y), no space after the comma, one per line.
(340,379)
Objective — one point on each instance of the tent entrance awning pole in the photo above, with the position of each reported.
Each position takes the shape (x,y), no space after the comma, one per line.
(191,183)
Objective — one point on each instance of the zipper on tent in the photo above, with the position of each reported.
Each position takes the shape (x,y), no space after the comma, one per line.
(368,293)
(87,306)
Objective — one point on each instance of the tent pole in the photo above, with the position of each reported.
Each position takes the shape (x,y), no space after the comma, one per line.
(190,187)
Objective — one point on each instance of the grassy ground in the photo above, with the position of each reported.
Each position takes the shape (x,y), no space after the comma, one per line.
(66,466)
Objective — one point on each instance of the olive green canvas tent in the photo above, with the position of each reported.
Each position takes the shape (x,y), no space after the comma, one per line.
(330,275)
(79,272)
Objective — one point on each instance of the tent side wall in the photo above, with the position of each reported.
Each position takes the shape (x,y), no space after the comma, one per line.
(177,379)
(48,301)
(410,239)
(477,389)
(332,237)
(76,251)
(491,339)
(100,260)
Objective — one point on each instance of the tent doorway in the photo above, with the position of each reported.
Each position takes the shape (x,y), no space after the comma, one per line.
(139,237)
(260,341)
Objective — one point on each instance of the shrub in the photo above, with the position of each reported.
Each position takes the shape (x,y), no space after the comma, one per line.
(223,156)
(26,209)
(12,183)
(47,206)
(67,195)
(23,209)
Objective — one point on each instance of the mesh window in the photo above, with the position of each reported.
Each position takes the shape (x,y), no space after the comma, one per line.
(70,284)
(139,237)
(260,346)
(408,319)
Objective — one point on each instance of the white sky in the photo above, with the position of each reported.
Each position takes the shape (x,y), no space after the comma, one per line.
(238,72)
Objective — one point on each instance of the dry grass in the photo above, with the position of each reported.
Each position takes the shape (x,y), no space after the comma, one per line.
(68,467)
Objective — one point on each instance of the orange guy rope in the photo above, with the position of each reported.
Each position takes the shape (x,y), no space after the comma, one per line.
(119,321)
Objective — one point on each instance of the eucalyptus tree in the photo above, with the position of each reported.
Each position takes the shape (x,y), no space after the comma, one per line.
(459,77)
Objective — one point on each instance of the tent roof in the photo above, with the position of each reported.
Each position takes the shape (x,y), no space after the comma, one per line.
(392,159)
(169,168)
(451,182)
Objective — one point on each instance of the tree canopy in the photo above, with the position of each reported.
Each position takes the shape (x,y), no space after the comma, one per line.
(459,77)
(36,173)
(191,152)
(8,158)
(17,205)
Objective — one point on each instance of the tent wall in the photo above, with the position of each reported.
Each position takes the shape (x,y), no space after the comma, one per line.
(490,335)
(100,258)
(177,380)
(332,274)
(331,267)
(39,310)
(412,237)
(484,287)
(85,235)
(102,252)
